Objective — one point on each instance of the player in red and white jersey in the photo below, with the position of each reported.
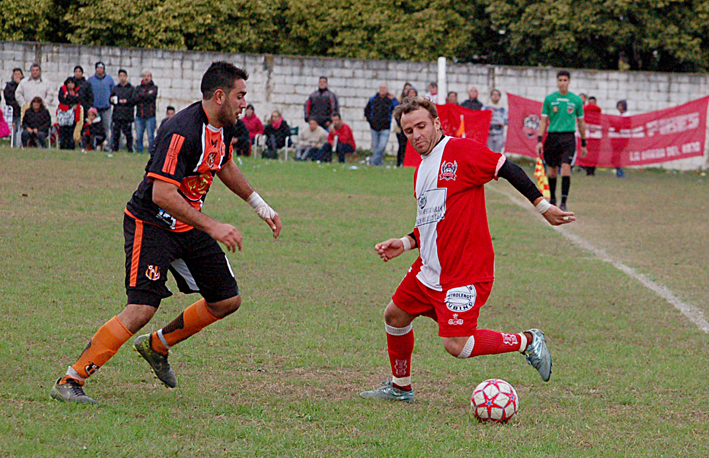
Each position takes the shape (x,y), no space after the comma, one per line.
(166,231)
(452,278)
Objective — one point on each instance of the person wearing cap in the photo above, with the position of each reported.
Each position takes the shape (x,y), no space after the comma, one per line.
(86,93)
(102,85)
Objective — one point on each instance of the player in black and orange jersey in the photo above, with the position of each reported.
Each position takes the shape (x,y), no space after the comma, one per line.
(165,230)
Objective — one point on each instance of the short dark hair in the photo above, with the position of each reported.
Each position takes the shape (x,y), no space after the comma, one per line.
(35,65)
(564,73)
(434,84)
(18,69)
(123,70)
(221,75)
(336,114)
(79,67)
(496,90)
(592,98)
(323,78)
(170,107)
(410,104)
(69,80)
(452,92)
(312,118)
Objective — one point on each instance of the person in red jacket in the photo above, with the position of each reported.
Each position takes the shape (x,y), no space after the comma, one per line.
(69,113)
(253,123)
(345,141)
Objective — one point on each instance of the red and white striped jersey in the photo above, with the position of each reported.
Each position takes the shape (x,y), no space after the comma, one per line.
(451,221)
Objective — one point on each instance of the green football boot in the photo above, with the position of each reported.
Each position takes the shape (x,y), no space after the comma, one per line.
(157,361)
(67,389)
(388,392)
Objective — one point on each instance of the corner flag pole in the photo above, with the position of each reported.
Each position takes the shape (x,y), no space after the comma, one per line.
(442,88)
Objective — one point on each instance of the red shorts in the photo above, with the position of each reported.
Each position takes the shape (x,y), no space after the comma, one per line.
(456,310)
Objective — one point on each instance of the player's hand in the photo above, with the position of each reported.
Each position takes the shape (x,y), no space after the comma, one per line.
(389,249)
(556,217)
(584,151)
(228,235)
(539,148)
(275,224)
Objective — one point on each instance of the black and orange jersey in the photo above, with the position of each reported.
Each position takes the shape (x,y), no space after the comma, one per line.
(187,152)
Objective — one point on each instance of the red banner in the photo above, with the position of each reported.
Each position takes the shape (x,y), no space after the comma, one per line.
(455,120)
(616,141)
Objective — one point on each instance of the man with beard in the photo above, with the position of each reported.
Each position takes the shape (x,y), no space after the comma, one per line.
(165,230)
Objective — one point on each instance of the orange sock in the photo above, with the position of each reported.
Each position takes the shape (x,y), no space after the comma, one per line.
(191,321)
(103,345)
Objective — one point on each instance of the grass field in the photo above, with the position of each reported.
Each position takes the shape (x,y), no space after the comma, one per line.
(281,377)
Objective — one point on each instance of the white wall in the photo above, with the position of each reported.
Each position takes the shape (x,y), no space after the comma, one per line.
(284,82)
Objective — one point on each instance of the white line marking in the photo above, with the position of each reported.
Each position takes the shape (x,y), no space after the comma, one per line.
(694,314)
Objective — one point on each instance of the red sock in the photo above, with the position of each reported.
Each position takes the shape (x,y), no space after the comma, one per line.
(400,343)
(486,342)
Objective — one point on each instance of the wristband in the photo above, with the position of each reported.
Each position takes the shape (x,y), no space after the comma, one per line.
(260,205)
(539,138)
(407,242)
(583,142)
(543,206)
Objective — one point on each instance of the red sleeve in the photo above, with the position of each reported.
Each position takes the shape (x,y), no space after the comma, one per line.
(479,163)
(259,126)
(331,136)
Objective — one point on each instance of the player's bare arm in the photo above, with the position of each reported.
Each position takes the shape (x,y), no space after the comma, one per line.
(521,182)
(582,130)
(232,177)
(392,248)
(540,134)
(167,197)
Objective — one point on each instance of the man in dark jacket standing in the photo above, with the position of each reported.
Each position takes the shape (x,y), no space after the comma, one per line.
(378,113)
(321,105)
(123,101)
(145,96)
(10,100)
(86,92)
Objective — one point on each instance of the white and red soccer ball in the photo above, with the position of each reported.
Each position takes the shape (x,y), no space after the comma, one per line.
(494,400)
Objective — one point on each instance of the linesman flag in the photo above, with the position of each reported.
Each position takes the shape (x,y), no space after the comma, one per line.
(541,176)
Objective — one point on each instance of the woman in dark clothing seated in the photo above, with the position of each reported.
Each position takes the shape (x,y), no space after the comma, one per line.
(36,123)
(241,142)
(276,132)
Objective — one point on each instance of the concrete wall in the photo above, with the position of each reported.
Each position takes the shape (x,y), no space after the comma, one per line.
(284,82)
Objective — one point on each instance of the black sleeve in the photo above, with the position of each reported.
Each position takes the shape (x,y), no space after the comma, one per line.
(413,236)
(519,179)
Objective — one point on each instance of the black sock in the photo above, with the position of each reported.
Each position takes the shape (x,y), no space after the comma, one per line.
(552,189)
(565,185)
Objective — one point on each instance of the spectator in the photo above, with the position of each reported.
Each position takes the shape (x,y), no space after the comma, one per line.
(240,142)
(10,100)
(169,113)
(622,107)
(589,109)
(322,104)
(311,141)
(86,93)
(253,123)
(345,141)
(145,96)
(69,113)
(102,85)
(36,123)
(472,103)
(93,134)
(123,101)
(452,98)
(276,132)
(400,136)
(432,93)
(34,86)
(584,98)
(378,113)
(412,92)
(496,137)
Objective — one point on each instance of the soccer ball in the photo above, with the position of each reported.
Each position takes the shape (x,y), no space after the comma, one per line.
(494,400)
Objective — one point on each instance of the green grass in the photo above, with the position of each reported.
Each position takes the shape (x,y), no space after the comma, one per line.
(281,376)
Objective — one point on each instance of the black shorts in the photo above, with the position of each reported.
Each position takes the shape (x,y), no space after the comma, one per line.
(559,148)
(195,259)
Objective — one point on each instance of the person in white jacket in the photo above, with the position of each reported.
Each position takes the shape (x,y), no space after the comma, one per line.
(34,86)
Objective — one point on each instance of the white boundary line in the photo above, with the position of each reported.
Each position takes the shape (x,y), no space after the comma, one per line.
(694,314)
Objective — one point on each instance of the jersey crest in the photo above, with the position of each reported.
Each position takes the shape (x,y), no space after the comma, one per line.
(448,170)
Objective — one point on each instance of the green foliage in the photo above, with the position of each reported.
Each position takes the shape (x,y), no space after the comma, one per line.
(666,35)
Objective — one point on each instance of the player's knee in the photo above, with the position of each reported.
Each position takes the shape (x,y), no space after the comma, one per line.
(394,316)
(226,307)
(453,347)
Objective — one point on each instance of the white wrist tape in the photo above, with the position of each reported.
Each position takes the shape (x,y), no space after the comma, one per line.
(407,242)
(260,205)
(543,206)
